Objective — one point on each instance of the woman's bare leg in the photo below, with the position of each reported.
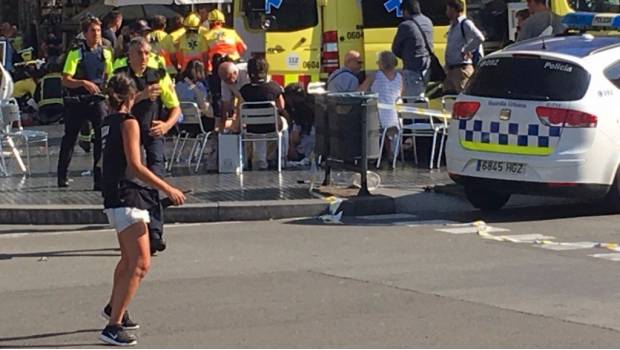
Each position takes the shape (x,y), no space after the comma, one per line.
(135,242)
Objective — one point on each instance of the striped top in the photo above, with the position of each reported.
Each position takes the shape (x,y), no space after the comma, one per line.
(389,91)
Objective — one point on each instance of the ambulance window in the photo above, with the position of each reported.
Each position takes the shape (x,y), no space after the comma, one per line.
(292,15)
(529,78)
(375,14)
(613,74)
(595,6)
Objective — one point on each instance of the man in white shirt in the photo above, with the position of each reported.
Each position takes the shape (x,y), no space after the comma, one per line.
(234,77)
(463,47)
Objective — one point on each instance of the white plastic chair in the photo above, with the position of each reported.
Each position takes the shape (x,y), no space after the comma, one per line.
(191,117)
(11,115)
(422,125)
(263,113)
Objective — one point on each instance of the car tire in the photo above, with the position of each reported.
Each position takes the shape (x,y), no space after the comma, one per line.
(485,199)
(612,200)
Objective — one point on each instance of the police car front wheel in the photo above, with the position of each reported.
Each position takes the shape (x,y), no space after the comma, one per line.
(485,199)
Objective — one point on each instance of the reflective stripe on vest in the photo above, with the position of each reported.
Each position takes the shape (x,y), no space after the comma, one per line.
(51,90)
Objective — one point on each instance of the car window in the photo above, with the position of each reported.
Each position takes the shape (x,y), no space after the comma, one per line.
(595,6)
(291,15)
(375,15)
(527,77)
(612,73)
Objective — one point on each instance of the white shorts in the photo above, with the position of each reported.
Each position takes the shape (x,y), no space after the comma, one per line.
(122,218)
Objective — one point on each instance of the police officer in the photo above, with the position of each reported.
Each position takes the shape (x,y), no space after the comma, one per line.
(84,75)
(156,91)
(141,29)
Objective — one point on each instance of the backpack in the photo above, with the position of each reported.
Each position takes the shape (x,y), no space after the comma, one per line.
(476,54)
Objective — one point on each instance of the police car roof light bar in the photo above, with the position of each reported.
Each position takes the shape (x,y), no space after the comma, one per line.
(592,21)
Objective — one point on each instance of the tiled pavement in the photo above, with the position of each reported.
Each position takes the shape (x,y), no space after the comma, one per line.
(40,188)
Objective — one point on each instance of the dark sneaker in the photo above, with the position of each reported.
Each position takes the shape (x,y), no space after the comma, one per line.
(63,182)
(158,244)
(127,324)
(116,335)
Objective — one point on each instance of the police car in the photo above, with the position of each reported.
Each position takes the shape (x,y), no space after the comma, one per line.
(541,117)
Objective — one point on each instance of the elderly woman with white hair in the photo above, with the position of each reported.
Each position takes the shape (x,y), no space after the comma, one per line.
(387,82)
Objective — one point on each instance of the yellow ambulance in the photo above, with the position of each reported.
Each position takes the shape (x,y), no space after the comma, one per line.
(305,40)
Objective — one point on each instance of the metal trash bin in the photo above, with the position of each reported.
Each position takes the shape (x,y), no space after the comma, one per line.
(319,99)
(348,114)
(348,132)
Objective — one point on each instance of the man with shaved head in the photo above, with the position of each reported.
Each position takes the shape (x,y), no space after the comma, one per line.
(234,76)
(346,78)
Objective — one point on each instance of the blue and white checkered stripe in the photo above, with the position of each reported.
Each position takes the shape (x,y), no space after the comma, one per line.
(506,133)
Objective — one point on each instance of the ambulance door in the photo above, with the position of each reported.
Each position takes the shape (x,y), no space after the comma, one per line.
(292,39)
(349,27)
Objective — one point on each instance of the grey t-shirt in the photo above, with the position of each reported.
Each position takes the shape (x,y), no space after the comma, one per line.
(537,23)
(342,80)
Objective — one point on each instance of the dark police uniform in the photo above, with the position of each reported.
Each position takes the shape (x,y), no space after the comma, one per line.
(93,65)
(148,111)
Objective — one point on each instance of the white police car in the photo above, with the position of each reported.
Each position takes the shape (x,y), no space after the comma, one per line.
(541,117)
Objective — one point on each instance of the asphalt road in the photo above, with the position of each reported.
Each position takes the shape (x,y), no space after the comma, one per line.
(371,282)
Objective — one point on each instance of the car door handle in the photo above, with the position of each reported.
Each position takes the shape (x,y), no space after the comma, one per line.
(276,49)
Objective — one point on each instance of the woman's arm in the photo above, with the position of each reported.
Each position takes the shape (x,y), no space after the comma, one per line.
(131,146)
(201,97)
(367,83)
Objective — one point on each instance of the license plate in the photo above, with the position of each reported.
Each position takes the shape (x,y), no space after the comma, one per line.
(493,166)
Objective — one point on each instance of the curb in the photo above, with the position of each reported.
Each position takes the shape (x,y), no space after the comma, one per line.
(195,213)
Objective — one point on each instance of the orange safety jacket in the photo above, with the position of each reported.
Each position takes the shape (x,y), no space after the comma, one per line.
(225,42)
(191,46)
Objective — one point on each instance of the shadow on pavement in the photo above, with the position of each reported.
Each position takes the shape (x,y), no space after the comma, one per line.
(49,335)
(429,207)
(64,253)
(540,212)
(48,229)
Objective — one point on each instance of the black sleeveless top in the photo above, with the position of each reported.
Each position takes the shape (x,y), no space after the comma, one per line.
(118,190)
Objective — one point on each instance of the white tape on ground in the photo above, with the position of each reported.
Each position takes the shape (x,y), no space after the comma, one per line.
(470,229)
(526,238)
(562,246)
(608,256)
(437,113)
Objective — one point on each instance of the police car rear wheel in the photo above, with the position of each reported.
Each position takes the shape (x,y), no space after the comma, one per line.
(613,197)
(484,199)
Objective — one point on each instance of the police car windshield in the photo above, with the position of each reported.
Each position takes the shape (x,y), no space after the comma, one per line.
(529,78)
(612,6)
(284,16)
(380,14)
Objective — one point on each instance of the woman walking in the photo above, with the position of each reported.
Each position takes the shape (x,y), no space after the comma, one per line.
(127,200)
